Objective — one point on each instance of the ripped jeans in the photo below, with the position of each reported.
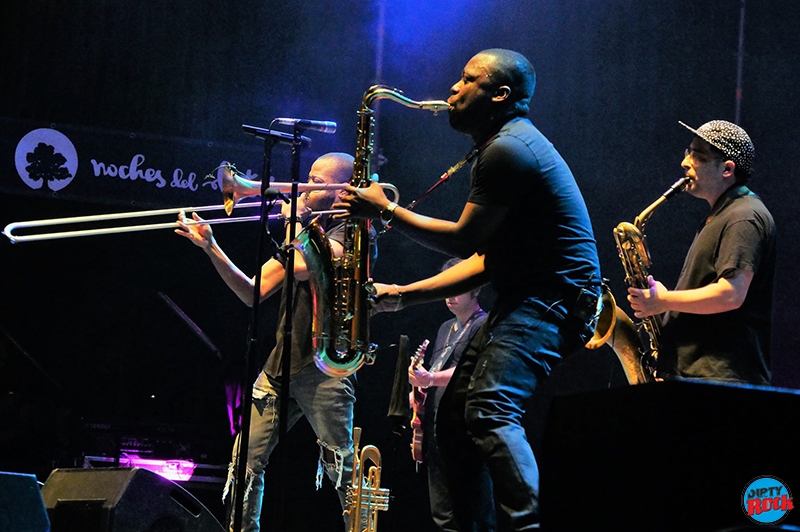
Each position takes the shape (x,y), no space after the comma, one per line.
(327,403)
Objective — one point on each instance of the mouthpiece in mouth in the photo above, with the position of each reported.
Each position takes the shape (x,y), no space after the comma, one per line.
(678,186)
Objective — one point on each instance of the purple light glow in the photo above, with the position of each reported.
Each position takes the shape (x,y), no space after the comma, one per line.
(234,398)
(175,470)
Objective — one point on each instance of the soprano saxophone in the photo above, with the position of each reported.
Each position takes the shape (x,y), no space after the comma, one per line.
(341,287)
(614,326)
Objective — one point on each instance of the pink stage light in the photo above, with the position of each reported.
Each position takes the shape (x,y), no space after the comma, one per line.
(175,470)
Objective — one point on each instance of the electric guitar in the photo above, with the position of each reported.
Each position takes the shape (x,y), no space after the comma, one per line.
(418,396)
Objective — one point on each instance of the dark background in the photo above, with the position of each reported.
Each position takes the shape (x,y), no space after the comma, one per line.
(85,333)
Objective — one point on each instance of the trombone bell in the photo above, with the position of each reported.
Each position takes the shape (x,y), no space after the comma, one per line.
(236,187)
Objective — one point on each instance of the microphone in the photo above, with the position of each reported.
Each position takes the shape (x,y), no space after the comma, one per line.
(277,136)
(273,193)
(302,124)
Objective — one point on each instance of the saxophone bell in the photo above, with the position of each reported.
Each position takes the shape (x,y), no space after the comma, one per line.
(615,329)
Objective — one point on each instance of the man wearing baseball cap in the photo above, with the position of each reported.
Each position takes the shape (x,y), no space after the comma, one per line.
(718,317)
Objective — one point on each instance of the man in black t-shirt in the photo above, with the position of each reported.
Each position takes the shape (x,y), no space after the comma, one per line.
(326,402)
(718,317)
(525,230)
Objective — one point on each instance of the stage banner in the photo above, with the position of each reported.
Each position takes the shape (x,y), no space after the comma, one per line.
(135,170)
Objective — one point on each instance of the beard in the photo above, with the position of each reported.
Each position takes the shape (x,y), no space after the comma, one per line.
(464,121)
(470,119)
(321,201)
(455,118)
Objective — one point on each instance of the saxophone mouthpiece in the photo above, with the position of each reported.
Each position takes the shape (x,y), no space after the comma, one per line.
(435,105)
(677,186)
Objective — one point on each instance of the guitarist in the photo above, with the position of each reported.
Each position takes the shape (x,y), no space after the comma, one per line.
(429,380)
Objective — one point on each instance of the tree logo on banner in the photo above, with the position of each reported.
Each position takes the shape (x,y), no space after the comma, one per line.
(46,157)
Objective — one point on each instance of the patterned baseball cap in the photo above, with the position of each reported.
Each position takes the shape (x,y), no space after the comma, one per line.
(729,138)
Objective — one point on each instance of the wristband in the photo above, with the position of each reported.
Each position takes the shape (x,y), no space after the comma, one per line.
(387,214)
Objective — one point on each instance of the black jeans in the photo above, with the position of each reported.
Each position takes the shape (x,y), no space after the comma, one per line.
(479,423)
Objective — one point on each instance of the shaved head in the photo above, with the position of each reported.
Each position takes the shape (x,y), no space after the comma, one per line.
(515,71)
(341,165)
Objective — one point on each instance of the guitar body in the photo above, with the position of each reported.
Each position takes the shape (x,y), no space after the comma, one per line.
(417,406)
(418,396)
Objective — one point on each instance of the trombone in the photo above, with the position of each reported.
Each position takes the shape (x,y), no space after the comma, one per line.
(234,189)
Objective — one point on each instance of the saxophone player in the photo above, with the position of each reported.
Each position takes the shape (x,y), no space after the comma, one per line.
(523,202)
(326,402)
(718,317)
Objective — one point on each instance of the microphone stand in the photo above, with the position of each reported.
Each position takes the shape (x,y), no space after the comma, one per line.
(297,141)
(286,354)
(251,369)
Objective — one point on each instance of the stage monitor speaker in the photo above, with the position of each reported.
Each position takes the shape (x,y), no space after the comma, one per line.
(671,456)
(21,505)
(122,500)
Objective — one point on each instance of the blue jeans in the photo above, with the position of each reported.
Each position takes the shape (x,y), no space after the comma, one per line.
(479,423)
(327,403)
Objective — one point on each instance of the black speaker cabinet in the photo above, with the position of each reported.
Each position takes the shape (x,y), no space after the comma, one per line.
(21,505)
(671,456)
(122,500)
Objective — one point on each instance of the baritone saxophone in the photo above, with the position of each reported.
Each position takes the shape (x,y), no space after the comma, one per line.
(341,287)
(615,327)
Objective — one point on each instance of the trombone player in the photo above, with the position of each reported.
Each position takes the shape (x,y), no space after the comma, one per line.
(326,402)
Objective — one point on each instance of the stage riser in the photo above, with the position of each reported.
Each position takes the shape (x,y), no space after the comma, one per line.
(666,456)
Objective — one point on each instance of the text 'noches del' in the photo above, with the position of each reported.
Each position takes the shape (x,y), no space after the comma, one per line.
(134,171)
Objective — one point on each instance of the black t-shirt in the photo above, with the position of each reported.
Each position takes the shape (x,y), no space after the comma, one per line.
(545,246)
(739,234)
(447,350)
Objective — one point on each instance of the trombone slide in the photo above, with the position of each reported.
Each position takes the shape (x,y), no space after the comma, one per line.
(234,188)
(9,230)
